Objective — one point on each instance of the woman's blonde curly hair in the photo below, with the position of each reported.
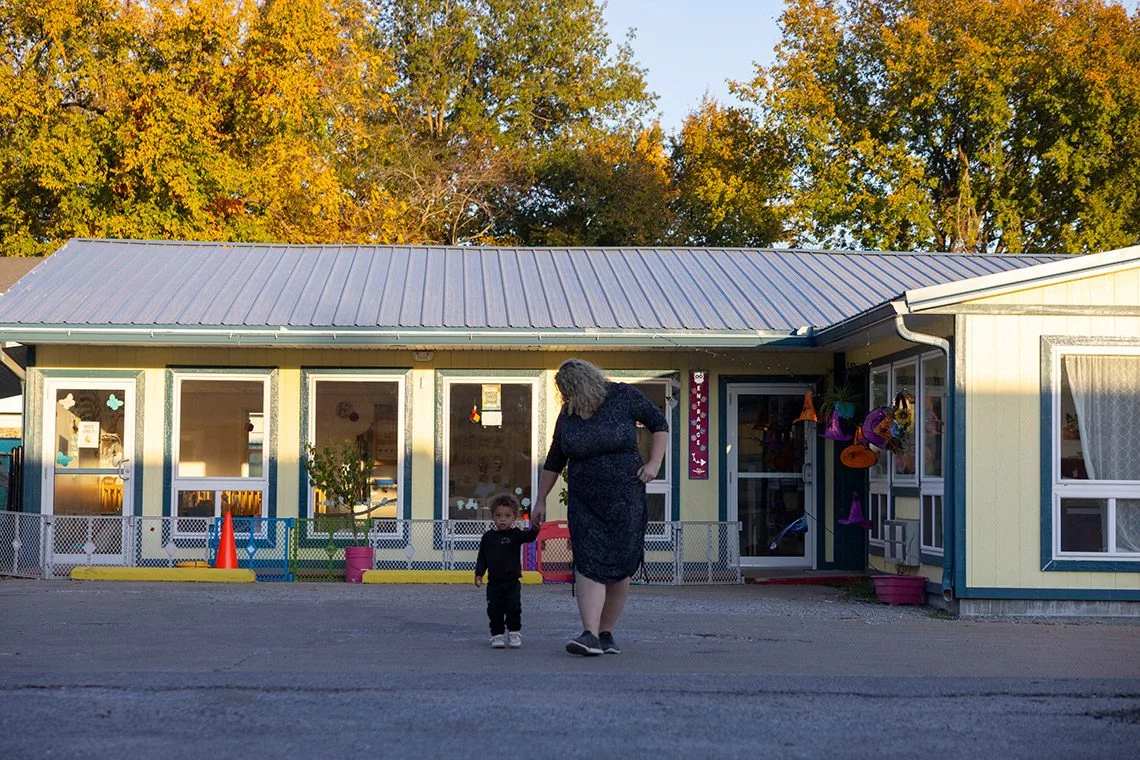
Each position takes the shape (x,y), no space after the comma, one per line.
(581,385)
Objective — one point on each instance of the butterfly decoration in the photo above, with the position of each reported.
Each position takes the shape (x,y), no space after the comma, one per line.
(67,401)
(114,403)
(63,460)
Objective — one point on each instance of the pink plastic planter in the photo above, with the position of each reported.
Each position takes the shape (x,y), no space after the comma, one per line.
(900,589)
(357,559)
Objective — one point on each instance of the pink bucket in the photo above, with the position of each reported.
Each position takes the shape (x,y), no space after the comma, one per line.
(900,589)
(357,559)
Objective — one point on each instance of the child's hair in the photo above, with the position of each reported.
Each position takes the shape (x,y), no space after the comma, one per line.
(504,500)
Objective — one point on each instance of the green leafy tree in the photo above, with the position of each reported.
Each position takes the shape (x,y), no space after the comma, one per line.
(341,476)
(613,191)
(489,94)
(1007,126)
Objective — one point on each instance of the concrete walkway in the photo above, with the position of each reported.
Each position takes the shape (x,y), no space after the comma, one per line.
(171,670)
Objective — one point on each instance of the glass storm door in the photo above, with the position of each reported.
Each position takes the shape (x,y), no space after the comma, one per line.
(88,428)
(770,492)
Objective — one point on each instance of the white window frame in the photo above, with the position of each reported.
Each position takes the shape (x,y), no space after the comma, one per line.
(179,482)
(879,509)
(447,381)
(1109,490)
(662,485)
(927,485)
(932,495)
(912,478)
(880,486)
(389,528)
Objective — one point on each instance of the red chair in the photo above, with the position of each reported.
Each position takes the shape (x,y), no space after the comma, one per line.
(554,558)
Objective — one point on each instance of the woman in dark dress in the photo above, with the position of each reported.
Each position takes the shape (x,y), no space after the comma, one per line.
(596,437)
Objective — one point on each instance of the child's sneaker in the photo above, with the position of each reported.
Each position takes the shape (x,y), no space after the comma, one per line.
(514,639)
(498,641)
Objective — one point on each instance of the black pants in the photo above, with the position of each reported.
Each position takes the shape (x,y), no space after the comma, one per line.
(504,606)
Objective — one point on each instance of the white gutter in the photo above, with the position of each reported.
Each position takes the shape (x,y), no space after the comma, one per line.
(364,337)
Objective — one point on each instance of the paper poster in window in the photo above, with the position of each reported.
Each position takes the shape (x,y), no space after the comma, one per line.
(88,435)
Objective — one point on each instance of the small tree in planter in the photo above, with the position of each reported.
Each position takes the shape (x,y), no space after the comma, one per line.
(341,476)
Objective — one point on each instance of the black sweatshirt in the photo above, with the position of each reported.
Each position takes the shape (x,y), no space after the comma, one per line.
(499,553)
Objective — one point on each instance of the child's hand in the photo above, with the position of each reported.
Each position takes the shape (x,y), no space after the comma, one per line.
(478,581)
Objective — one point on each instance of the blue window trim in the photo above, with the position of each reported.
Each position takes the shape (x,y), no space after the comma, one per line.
(34,436)
(174,372)
(1049,346)
(379,374)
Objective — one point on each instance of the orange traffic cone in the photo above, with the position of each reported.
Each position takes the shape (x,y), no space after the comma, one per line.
(227,547)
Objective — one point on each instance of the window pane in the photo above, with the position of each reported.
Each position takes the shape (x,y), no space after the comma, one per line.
(933,414)
(655,392)
(484,459)
(655,502)
(1099,423)
(1083,525)
(366,412)
(905,383)
(221,429)
(242,503)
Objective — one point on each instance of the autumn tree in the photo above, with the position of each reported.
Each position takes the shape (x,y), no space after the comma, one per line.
(729,179)
(1003,126)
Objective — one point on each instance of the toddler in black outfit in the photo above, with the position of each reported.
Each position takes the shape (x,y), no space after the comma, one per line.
(499,556)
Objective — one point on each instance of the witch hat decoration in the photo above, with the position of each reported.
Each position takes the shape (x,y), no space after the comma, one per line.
(227,548)
(834,429)
(855,516)
(808,413)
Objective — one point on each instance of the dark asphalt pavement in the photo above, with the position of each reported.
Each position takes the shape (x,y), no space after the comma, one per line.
(122,670)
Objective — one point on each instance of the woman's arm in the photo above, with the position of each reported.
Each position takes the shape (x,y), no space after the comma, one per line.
(650,469)
(545,484)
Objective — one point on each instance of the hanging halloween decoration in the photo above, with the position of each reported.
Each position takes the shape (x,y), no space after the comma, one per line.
(876,428)
(855,515)
(808,412)
(902,418)
(474,417)
(834,429)
(796,528)
(858,455)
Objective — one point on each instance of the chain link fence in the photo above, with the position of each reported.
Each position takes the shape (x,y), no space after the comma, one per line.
(312,549)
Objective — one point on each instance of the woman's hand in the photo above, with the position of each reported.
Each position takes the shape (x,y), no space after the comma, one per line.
(648,471)
(537,511)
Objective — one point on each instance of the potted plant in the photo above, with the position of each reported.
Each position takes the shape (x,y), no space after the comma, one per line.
(904,586)
(838,398)
(342,477)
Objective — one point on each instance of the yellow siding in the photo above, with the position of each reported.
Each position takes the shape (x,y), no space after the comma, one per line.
(1003,458)
(700,499)
(1118,289)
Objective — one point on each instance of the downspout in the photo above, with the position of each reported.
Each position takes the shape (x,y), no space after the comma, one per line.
(944,346)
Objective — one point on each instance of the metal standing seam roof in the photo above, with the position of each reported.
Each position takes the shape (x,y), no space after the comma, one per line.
(164,284)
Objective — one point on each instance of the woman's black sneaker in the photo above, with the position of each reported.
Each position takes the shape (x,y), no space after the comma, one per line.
(586,644)
(606,640)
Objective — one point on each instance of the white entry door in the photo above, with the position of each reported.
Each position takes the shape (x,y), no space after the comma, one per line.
(770,475)
(88,432)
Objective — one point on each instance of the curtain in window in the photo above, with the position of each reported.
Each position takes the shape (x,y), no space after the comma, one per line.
(1106,393)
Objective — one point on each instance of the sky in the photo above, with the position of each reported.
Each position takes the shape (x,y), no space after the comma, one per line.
(690,47)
